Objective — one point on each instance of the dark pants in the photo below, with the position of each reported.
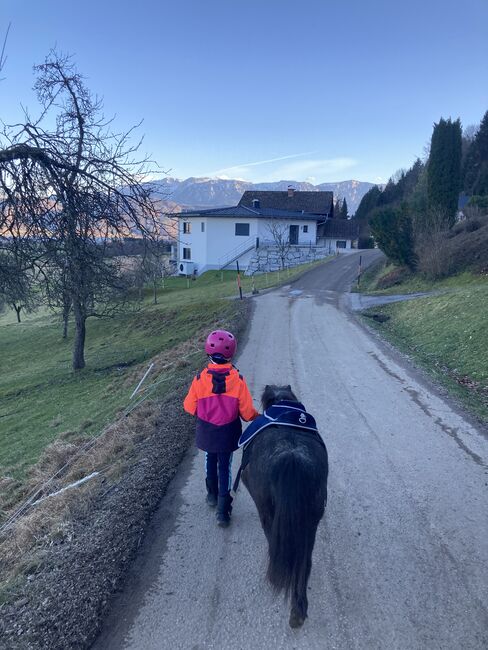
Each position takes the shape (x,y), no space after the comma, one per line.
(219,470)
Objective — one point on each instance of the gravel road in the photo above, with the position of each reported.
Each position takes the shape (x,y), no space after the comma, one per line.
(401,558)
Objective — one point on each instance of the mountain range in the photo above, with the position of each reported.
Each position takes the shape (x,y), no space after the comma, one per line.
(204,193)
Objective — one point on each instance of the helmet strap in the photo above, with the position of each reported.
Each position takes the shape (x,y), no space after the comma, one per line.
(218,359)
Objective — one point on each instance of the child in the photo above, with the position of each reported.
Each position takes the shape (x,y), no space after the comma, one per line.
(219,397)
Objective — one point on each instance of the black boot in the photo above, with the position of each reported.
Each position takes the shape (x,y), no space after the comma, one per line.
(212,492)
(224,509)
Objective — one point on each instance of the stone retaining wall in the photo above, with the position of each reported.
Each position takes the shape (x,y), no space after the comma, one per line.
(269,258)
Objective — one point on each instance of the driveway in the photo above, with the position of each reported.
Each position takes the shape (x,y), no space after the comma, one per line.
(401,558)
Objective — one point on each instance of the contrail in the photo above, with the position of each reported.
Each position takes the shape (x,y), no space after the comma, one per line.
(262,162)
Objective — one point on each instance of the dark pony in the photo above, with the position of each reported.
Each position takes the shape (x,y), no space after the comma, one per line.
(286,476)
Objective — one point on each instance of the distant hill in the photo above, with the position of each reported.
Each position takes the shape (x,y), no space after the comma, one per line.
(200,193)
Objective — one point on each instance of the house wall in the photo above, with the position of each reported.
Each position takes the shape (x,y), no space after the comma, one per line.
(330,243)
(196,240)
(265,234)
(217,242)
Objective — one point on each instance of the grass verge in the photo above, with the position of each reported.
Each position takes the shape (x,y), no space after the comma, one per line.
(447,335)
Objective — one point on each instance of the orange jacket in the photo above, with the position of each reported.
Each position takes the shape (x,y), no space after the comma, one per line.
(219,397)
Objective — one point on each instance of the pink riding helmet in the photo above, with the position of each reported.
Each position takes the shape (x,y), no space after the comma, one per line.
(221,342)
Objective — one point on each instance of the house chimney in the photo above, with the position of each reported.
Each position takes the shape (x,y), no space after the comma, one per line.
(256,204)
(291,191)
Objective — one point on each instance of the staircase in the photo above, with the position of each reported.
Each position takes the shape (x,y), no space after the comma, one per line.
(237,252)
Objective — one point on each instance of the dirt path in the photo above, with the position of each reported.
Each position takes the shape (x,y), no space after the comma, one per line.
(401,559)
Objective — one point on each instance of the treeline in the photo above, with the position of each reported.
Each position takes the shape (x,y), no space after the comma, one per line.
(417,208)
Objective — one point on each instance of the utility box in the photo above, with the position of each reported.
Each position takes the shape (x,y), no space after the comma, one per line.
(186,268)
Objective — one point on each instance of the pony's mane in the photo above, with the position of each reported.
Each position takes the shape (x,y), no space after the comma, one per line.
(273,394)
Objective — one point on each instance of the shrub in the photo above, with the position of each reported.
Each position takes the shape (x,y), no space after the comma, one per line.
(393,232)
(394,277)
(434,255)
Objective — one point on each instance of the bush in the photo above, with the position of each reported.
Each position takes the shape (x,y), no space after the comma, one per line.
(392,230)
(434,255)
(462,248)
(394,277)
(479,202)
(365,242)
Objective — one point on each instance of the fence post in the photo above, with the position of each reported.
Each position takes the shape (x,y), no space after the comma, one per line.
(239,279)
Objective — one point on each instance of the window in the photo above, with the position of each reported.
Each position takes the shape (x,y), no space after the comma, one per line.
(341,243)
(187,253)
(242,230)
(305,228)
(186,228)
(203,226)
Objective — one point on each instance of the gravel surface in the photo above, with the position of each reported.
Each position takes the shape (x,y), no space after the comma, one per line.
(401,558)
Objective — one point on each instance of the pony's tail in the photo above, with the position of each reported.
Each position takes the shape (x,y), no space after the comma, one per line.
(292,534)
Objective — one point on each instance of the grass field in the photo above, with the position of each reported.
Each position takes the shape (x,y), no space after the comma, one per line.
(446,333)
(41,398)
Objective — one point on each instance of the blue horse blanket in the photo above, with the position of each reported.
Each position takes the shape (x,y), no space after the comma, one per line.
(283,414)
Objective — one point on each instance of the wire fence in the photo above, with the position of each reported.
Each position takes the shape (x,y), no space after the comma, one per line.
(35,496)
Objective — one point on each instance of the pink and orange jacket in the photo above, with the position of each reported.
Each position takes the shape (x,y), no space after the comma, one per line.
(219,397)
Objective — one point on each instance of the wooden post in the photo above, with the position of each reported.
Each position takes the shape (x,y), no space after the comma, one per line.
(359,270)
(239,279)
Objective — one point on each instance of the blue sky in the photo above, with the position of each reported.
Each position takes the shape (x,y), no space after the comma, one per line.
(265,89)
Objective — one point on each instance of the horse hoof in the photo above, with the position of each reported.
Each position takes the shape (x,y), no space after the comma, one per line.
(296,620)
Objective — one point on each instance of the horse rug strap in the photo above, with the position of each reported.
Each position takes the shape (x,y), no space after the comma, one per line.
(285,414)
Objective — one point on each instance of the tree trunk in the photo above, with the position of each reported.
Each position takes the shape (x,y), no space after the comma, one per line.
(66,311)
(17,311)
(65,326)
(80,333)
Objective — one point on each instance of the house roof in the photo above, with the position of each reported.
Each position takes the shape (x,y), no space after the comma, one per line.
(252,213)
(341,228)
(310,202)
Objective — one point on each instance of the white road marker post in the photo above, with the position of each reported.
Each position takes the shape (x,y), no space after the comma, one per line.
(140,383)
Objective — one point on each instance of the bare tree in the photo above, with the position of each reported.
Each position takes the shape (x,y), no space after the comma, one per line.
(280,234)
(3,56)
(72,190)
(17,289)
(433,255)
(154,264)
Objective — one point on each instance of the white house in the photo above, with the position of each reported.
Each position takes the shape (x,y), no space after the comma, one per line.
(222,237)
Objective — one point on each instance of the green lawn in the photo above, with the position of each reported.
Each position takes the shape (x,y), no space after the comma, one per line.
(410,282)
(447,334)
(40,396)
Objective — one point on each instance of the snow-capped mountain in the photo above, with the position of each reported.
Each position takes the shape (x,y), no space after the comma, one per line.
(200,193)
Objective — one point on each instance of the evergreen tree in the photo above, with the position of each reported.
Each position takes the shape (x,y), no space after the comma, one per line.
(392,230)
(475,172)
(337,208)
(417,199)
(444,168)
(343,213)
(368,203)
